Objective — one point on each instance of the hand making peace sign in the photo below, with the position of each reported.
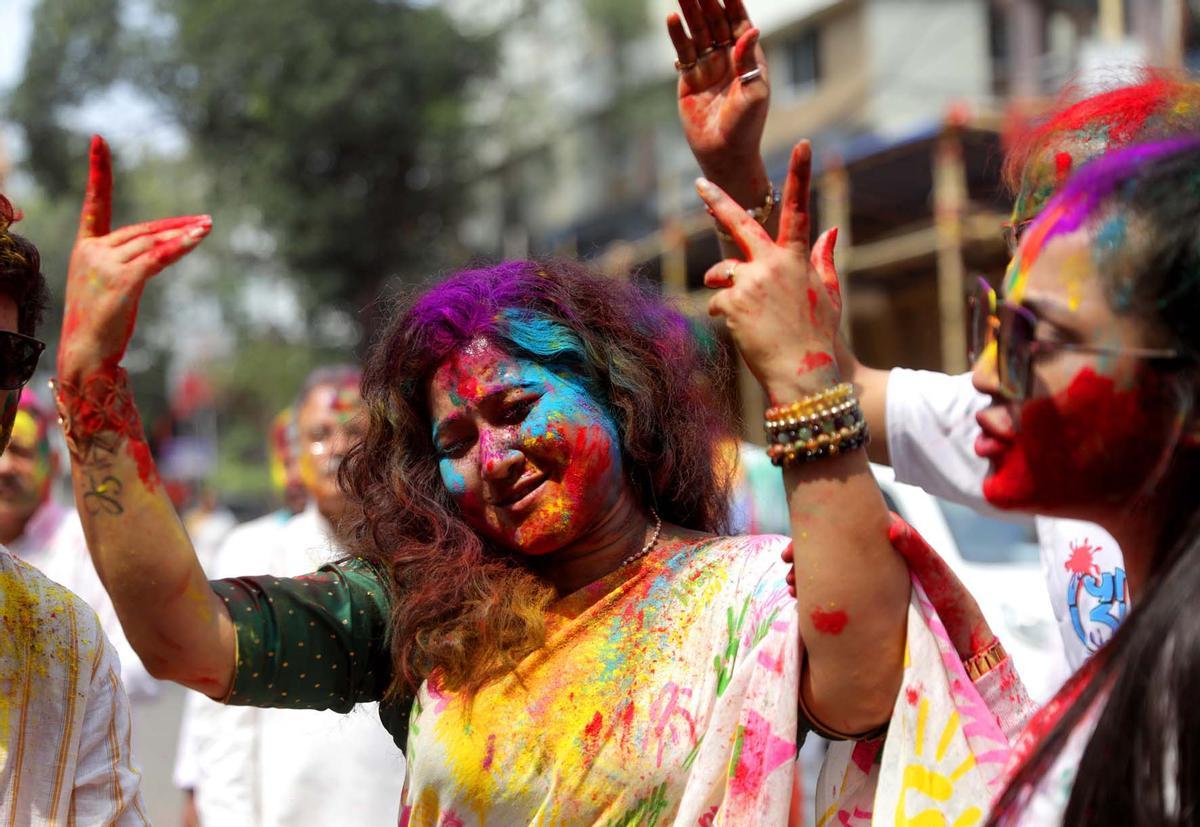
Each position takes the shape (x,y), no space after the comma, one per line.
(109,270)
(783,302)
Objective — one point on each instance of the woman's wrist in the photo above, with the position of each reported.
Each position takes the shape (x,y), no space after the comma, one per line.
(745,180)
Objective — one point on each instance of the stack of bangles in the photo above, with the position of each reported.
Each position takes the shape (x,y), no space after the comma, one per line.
(822,425)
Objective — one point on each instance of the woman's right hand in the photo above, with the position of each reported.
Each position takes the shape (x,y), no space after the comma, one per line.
(722,117)
(109,270)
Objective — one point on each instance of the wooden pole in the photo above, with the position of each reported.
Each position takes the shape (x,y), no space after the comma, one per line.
(949,206)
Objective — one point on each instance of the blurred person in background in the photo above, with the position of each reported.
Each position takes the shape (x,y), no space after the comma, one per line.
(242,542)
(64,717)
(926,419)
(284,767)
(47,534)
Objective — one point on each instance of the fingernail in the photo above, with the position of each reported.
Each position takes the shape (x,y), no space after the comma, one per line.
(197,233)
(704,186)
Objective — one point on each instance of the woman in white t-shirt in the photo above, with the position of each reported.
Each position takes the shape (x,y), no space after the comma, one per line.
(1092,366)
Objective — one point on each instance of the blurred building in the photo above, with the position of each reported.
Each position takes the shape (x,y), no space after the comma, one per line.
(581,152)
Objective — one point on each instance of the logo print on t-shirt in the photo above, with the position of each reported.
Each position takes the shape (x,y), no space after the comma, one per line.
(1097,600)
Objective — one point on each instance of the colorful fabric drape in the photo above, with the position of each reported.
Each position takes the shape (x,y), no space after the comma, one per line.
(666,693)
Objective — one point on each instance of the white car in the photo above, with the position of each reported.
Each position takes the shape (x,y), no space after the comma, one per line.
(998,562)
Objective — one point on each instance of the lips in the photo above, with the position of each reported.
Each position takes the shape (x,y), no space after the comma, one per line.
(993,439)
(521,495)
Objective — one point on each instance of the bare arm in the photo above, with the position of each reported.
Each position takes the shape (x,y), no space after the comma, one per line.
(174,621)
(853,589)
(872,385)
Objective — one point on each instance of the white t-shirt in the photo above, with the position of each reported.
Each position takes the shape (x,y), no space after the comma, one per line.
(931,431)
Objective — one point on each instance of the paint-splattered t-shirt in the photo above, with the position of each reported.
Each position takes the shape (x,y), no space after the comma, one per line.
(665,694)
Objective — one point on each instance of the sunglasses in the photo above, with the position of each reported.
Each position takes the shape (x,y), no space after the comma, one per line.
(1012,328)
(18,358)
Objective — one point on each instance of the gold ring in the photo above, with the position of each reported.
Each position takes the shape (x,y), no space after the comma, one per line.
(706,51)
(684,67)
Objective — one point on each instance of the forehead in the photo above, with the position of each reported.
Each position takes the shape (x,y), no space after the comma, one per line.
(476,370)
(8,314)
(329,401)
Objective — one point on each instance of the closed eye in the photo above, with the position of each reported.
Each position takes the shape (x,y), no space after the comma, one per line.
(515,412)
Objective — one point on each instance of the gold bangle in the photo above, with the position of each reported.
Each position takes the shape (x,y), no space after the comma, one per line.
(983,662)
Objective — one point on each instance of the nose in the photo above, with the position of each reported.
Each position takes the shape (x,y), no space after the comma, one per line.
(499,460)
(985,374)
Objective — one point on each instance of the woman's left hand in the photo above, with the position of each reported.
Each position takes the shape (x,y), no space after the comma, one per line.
(783,302)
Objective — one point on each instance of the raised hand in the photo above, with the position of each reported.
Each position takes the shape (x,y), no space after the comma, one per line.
(722,115)
(964,622)
(783,302)
(108,271)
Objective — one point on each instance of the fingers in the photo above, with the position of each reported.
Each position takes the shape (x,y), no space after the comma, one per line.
(718,26)
(96,216)
(747,233)
(685,50)
(793,217)
(701,36)
(744,58)
(735,13)
(117,238)
(721,274)
(168,250)
(822,262)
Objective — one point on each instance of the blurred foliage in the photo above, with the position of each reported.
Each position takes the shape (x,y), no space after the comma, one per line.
(342,122)
(328,140)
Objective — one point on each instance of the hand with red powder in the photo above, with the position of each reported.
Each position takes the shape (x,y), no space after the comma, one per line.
(108,271)
(965,623)
(783,302)
(722,116)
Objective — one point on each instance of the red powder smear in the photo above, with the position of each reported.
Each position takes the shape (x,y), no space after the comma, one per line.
(865,753)
(1086,444)
(814,360)
(911,695)
(592,730)
(1062,167)
(1081,560)
(147,472)
(491,752)
(829,623)
(761,753)
(813,302)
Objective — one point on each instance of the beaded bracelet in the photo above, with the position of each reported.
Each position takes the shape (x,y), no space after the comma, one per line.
(761,214)
(818,426)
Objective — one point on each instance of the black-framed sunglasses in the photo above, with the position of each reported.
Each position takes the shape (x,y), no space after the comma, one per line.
(1012,328)
(18,358)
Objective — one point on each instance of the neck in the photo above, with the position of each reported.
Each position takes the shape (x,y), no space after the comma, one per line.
(620,531)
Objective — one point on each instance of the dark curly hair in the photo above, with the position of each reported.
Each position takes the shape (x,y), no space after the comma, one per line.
(463,606)
(21,276)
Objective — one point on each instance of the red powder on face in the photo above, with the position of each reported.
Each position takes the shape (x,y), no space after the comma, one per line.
(1089,444)
(814,360)
(829,623)
(1062,167)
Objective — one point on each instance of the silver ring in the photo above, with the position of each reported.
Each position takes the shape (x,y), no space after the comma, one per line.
(729,273)
(751,76)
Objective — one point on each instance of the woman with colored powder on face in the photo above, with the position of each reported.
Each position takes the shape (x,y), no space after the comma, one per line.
(1092,366)
(923,421)
(540,592)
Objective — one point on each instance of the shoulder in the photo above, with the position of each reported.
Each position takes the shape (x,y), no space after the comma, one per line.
(748,564)
(46,619)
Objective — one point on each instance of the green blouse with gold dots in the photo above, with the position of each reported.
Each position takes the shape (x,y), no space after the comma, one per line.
(314,642)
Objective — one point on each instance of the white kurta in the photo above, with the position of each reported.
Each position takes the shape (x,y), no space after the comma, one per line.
(278,767)
(64,719)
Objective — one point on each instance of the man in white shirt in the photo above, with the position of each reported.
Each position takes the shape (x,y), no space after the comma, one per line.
(48,535)
(64,719)
(274,767)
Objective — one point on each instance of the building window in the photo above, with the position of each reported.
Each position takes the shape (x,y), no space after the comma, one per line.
(802,62)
